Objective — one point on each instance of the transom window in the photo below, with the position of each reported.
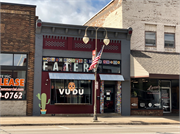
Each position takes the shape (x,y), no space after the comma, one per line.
(150,39)
(169,40)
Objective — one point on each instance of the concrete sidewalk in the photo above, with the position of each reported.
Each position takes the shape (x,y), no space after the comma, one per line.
(54,120)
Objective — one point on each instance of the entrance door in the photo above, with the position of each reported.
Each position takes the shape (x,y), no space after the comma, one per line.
(166,95)
(109,98)
(166,99)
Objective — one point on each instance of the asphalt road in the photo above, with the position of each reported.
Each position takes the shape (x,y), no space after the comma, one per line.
(91,129)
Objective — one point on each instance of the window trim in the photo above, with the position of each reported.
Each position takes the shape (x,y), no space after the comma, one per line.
(155,38)
(174,40)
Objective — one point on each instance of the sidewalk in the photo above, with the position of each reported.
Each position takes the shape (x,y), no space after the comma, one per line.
(54,120)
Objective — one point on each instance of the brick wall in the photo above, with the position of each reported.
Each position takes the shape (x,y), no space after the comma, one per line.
(18,35)
(138,13)
(148,112)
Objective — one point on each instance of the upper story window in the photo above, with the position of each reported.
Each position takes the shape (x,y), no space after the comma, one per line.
(13,59)
(150,39)
(169,40)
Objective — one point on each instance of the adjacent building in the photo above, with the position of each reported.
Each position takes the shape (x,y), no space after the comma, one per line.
(62,80)
(17,58)
(155,48)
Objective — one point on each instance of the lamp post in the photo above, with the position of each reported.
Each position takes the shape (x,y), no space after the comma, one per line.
(106,42)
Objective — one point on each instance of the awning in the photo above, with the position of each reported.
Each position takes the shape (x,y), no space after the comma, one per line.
(144,63)
(71,76)
(136,69)
(110,77)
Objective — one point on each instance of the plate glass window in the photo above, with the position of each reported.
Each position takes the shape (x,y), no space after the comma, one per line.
(6,59)
(71,91)
(150,39)
(20,59)
(169,40)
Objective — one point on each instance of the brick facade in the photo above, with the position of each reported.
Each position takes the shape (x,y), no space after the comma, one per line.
(146,112)
(18,36)
(160,16)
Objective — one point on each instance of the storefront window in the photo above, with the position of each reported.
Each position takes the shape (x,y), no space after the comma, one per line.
(148,93)
(12,85)
(71,91)
(111,69)
(175,94)
(13,77)
(79,65)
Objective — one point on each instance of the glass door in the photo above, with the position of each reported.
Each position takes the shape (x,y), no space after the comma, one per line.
(109,98)
(166,96)
(166,99)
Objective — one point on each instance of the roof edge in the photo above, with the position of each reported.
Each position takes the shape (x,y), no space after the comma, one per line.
(99,11)
(6,3)
(52,24)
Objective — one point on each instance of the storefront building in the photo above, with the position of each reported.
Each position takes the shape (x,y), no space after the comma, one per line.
(17,59)
(62,78)
(155,50)
(154,83)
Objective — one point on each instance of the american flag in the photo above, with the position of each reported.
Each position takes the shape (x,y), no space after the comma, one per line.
(95,61)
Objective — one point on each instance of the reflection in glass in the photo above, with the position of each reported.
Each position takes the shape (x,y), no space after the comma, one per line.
(175,94)
(20,59)
(6,59)
(148,93)
(70,91)
(150,38)
(111,69)
(169,40)
(6,74)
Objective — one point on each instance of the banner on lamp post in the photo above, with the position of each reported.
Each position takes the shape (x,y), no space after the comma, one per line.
(96,85)
(93,54)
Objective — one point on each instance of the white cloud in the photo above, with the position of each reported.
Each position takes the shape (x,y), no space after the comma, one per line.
(64,11)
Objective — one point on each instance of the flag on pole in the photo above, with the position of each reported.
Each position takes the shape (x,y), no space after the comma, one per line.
(95,61)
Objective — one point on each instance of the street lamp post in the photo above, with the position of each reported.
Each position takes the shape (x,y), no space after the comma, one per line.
(106,42)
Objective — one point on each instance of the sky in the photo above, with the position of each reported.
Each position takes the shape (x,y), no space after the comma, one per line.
(75,12)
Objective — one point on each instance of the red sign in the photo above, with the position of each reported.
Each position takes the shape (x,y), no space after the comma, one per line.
(93,52)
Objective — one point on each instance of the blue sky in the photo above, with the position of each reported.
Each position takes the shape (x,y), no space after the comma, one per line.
(65,11)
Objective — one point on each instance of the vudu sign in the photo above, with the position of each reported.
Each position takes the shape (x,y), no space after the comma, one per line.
(71,88)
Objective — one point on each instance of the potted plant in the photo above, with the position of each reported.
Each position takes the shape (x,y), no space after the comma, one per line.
(43,99)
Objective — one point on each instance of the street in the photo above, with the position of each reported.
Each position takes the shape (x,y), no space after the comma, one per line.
(89,129)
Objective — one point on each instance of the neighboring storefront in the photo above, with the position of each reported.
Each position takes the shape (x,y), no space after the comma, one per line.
(17,59)
(62,76)
(154,83)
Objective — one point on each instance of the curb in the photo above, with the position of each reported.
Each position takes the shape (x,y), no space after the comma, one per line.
(155,123)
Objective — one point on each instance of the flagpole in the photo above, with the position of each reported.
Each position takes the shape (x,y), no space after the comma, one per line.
(95,73)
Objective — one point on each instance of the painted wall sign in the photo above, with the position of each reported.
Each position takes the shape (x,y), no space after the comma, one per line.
(43,99)
(71,88)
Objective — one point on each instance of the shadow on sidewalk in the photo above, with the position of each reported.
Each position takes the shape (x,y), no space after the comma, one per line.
(171,116)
